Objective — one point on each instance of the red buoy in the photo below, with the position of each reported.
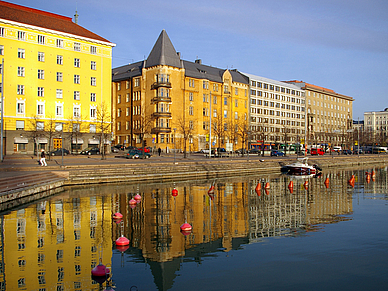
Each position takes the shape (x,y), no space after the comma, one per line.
(117,215)
(100,270)
(122,241)
(327,182)
(258,189)
(211,190)
(266,185)
(122,249)
(174,192)
(266,191)
(306,185)
(132,202)
(186,227)
(137,197)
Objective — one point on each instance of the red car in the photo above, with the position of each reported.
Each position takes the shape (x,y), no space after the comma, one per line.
(316,152)
(146,149)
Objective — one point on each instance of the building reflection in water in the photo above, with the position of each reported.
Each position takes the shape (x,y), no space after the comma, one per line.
(57,242)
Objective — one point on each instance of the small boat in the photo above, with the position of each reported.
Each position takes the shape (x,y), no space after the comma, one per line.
(301,167)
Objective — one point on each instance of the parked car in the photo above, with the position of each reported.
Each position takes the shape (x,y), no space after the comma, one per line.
(114,149)
(146,149)
(317,151)
(90,151)
(255,151)
(241,151)
(120,147)
(276,153)
(136,154)
(58,152)
(346,152)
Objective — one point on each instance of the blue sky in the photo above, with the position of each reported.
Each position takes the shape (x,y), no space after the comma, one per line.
(338,44)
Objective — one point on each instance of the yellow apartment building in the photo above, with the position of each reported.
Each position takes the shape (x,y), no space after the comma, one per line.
(169,102)
(329,116)
(56,79)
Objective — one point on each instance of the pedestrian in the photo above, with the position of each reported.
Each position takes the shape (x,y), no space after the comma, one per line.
(159,151)
(43,158)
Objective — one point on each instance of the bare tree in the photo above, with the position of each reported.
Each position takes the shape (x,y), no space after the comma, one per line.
(76,128)
(103,129)
(243,132)
(218,127)
(50,132)
(232,130)
(186,129)
(143,127)
(35,130)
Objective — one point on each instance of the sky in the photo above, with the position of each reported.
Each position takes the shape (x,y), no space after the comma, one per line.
(337,44)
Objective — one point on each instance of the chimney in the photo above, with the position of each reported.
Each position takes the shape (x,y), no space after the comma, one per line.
(198,61)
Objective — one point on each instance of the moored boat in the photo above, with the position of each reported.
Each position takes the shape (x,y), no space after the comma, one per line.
(301,167)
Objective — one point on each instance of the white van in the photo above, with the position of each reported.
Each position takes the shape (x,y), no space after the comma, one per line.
(337,148)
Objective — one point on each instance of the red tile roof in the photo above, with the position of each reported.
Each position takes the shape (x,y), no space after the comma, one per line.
(35,17)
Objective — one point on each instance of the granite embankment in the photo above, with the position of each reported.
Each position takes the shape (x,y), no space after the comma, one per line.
(23,181)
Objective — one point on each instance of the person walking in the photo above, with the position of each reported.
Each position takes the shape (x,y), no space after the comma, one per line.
(159,151)
(43,159)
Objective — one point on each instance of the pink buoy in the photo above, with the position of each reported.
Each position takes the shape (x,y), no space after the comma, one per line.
(186,227)
(122,241)
(117,215)
(137,197)
(132,202)
(100,270)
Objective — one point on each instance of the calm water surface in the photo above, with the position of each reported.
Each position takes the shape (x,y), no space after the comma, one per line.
(320,236)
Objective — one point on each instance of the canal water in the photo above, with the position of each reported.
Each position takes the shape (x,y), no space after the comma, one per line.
(316,233)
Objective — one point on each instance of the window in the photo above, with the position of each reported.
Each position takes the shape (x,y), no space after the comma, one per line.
(236,115)
(191,96)
(20,90)
(41,74)
(93,97)
(93,113)
(127,97)
(76,95)
(191,110)
(76,111)
(19,124)
(21,53)
(118,86)
(59,60)
(1,31)
(59,76)
(235,103)
(59,43)
(225,114)
(21,71)
(235,91)
(20,107)
(41,39)
(137,82)
(59,110)
(76,79)
(93,50)
(93,65)
(41,56)
(21,35)
(92,128)
(127,111)
(93,81)
(40,109)
(1,50)
(40,92)
(59,94)
(225,101)
(77,46)
(77,63)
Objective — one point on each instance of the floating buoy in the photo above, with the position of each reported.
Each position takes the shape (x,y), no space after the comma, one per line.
(186,226)
(174,192)
(122,249)
(117,215)
(118,221)
(373,173)
(211,190)
(306,185)
(266,191)
(100,270)
(266,185)
(367,178)
(132,202)
(137,197)
(291,184)
(122,241)
(258,189)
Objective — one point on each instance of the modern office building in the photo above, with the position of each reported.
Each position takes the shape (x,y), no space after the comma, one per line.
(277,112)
(329,115)
(56,77)
(169,102)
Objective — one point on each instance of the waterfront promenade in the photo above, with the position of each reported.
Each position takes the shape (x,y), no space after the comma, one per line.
(22,179)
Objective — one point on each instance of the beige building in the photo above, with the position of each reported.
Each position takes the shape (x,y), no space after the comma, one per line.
(329,116)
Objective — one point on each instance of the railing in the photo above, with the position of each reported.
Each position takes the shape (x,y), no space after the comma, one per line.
(161,130)
(161,99)
(161,114)
(156,85)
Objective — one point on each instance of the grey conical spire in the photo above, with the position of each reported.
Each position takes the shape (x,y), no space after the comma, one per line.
(163,53)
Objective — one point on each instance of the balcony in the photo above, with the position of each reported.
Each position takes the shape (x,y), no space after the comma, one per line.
(161,115)
(164,84)
(158,99)
(156,130)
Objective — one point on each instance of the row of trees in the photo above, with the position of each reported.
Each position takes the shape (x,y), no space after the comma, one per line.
(72,129)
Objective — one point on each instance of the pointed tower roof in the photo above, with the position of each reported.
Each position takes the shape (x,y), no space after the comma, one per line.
(163,53)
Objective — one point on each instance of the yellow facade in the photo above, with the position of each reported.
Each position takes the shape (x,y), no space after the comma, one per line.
(53,78)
